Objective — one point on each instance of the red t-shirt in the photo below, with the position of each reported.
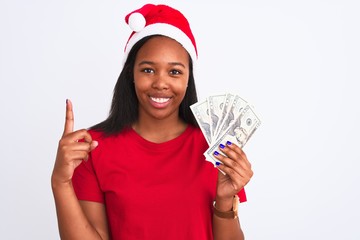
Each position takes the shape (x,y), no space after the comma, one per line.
(151,190)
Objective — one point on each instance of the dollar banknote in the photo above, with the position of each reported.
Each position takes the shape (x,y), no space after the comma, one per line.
(202,116)
(239,132)
(215,105)
(236,106)
(222,118)
(225,109)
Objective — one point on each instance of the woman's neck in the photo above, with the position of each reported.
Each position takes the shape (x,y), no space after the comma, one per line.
(159,131)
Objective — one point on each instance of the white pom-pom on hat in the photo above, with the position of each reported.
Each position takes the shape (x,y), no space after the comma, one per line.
(137,21)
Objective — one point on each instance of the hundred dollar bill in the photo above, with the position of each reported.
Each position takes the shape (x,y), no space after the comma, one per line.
(235,109)
(215,105)
(239,132)
(225,109)
(201,113)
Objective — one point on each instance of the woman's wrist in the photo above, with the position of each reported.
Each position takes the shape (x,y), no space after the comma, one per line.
(224,204)
(56,184)
(224,211)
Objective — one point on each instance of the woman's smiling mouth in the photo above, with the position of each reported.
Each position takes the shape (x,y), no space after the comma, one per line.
(159,102)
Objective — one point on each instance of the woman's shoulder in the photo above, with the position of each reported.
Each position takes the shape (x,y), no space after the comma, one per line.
(196,133)
(97,134)
(101,135)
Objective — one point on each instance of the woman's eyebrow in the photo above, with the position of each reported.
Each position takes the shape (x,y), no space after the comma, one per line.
(153,63)
(177,64)
(146,62)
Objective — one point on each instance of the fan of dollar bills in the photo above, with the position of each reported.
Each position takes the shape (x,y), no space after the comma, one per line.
(222,118)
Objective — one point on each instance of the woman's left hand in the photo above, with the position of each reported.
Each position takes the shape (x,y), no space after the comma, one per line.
(237,169)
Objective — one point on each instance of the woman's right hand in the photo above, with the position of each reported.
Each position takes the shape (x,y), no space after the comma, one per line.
(71,152)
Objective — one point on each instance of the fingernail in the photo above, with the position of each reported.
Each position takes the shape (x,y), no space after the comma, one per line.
(216,153)
(228,143)
(67,101)
(222,145)
(95,144)
(217,163)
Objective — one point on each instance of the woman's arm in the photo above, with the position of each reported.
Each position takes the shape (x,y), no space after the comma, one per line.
(226,228)
(76,220)
(238,173)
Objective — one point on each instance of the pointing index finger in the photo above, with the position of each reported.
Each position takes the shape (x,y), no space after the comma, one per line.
(69,118)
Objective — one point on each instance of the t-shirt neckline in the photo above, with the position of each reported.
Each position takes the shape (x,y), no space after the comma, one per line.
(168,145)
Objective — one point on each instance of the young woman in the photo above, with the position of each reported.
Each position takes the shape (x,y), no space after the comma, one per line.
(141,173)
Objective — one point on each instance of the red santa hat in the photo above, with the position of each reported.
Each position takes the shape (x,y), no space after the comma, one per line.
(160,20)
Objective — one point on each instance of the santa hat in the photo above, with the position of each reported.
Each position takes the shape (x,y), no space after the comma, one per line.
(160,20)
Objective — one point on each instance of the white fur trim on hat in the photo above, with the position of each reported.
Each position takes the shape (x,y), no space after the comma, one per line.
(165,30)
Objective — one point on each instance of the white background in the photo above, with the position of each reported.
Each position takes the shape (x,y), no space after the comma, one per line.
(297,62)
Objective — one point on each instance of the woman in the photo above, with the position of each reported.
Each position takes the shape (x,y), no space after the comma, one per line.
(141,173)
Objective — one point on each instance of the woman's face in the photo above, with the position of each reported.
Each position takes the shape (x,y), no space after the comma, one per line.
(161,74)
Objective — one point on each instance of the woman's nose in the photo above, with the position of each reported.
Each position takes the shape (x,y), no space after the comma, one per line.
(160,81)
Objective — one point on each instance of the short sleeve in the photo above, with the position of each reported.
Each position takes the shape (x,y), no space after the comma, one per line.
(85,182)
(242,195)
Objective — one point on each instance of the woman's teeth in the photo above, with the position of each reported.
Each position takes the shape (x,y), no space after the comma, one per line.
(160,100)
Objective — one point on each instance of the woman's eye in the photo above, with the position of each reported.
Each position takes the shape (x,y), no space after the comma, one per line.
(175,72)
(148,70)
